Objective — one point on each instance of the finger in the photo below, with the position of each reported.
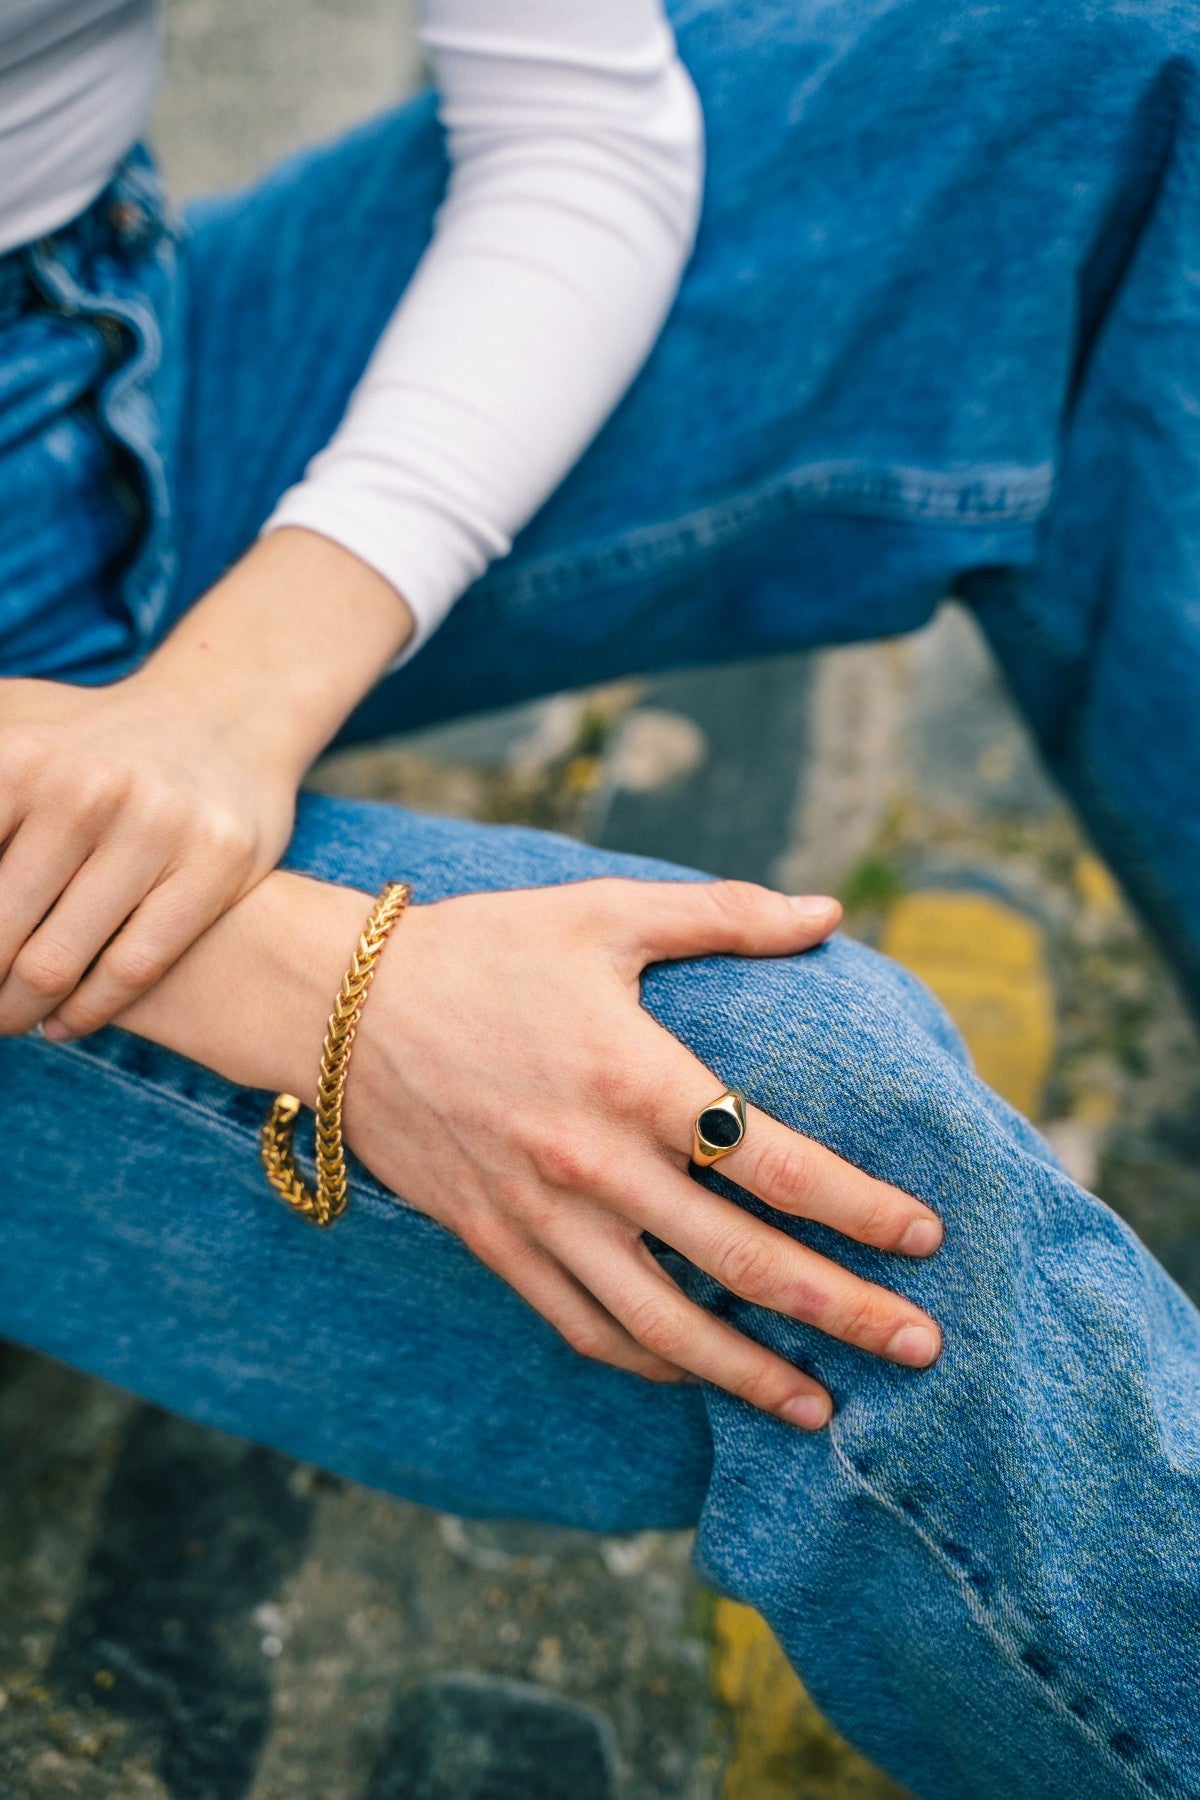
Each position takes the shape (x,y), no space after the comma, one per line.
(575,1314)
(629,1284)
(759,1263)
(730,918)
(790,1171)
(626,1280)
(39,861)
(48,967)
(169,919)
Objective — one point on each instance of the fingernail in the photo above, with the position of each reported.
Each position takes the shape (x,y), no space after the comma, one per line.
(913,1345)
(922,1238)
(809,1411)
(816,909)
(55,1030)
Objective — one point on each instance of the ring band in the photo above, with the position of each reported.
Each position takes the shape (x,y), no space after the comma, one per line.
(719,1128)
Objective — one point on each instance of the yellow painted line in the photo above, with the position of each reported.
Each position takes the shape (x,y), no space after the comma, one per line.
(782,1747)
(1097,889)
(986,962)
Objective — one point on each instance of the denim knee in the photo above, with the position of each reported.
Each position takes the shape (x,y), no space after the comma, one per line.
(1008,1535)
(1003,1535)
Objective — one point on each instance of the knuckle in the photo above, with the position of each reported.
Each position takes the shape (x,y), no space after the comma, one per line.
(881,1222)
(785,1173)
(861,1318)
(762,1385)
(655,1325)
(737,902)
(47,970)
(137,966)
(94,795)
(746,1263)
(562,1162)
(226,838)
(623,1087)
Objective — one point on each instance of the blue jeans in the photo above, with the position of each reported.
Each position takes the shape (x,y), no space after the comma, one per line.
(942,331)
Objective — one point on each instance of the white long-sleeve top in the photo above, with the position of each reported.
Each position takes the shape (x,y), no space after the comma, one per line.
(575,145)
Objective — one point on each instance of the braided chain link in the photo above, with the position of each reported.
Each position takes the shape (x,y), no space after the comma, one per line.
(276,1141)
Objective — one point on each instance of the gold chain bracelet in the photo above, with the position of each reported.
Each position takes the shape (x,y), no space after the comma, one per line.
(279,1129)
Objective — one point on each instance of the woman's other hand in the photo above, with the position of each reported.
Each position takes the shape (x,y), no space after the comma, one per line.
(507,1082)
(132,816)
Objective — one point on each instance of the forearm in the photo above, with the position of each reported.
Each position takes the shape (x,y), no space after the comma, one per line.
(251,998)
(285,645)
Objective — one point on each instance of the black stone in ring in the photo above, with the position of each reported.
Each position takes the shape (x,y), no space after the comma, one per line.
(719,1128)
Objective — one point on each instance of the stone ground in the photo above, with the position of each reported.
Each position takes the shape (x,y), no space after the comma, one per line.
(187,1617)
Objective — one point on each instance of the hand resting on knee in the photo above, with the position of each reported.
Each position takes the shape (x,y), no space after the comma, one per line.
(507,1082)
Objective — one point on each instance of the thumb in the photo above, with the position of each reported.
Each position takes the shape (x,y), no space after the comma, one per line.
(731,918)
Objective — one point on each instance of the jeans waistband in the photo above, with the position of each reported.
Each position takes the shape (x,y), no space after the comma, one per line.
(125,219)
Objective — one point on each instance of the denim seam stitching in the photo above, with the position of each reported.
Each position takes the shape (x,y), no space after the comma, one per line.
(378,1199)
(1002,1636)
(383,1203)
(905,495)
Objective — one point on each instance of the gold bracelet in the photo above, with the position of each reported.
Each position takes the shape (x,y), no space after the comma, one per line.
(279,1129)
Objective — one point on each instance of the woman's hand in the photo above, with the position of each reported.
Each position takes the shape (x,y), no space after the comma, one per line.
(507,1082)
(131,817)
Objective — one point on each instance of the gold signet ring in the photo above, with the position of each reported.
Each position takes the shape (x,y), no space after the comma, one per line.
(720,1127)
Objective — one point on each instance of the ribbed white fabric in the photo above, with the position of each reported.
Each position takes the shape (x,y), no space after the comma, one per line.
(77,81)
(575,143)
(576,149)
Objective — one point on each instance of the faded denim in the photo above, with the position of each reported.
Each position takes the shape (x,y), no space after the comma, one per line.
(941,332)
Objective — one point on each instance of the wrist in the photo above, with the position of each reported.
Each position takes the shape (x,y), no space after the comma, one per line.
(236,705)
(252,998)
(280,651)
